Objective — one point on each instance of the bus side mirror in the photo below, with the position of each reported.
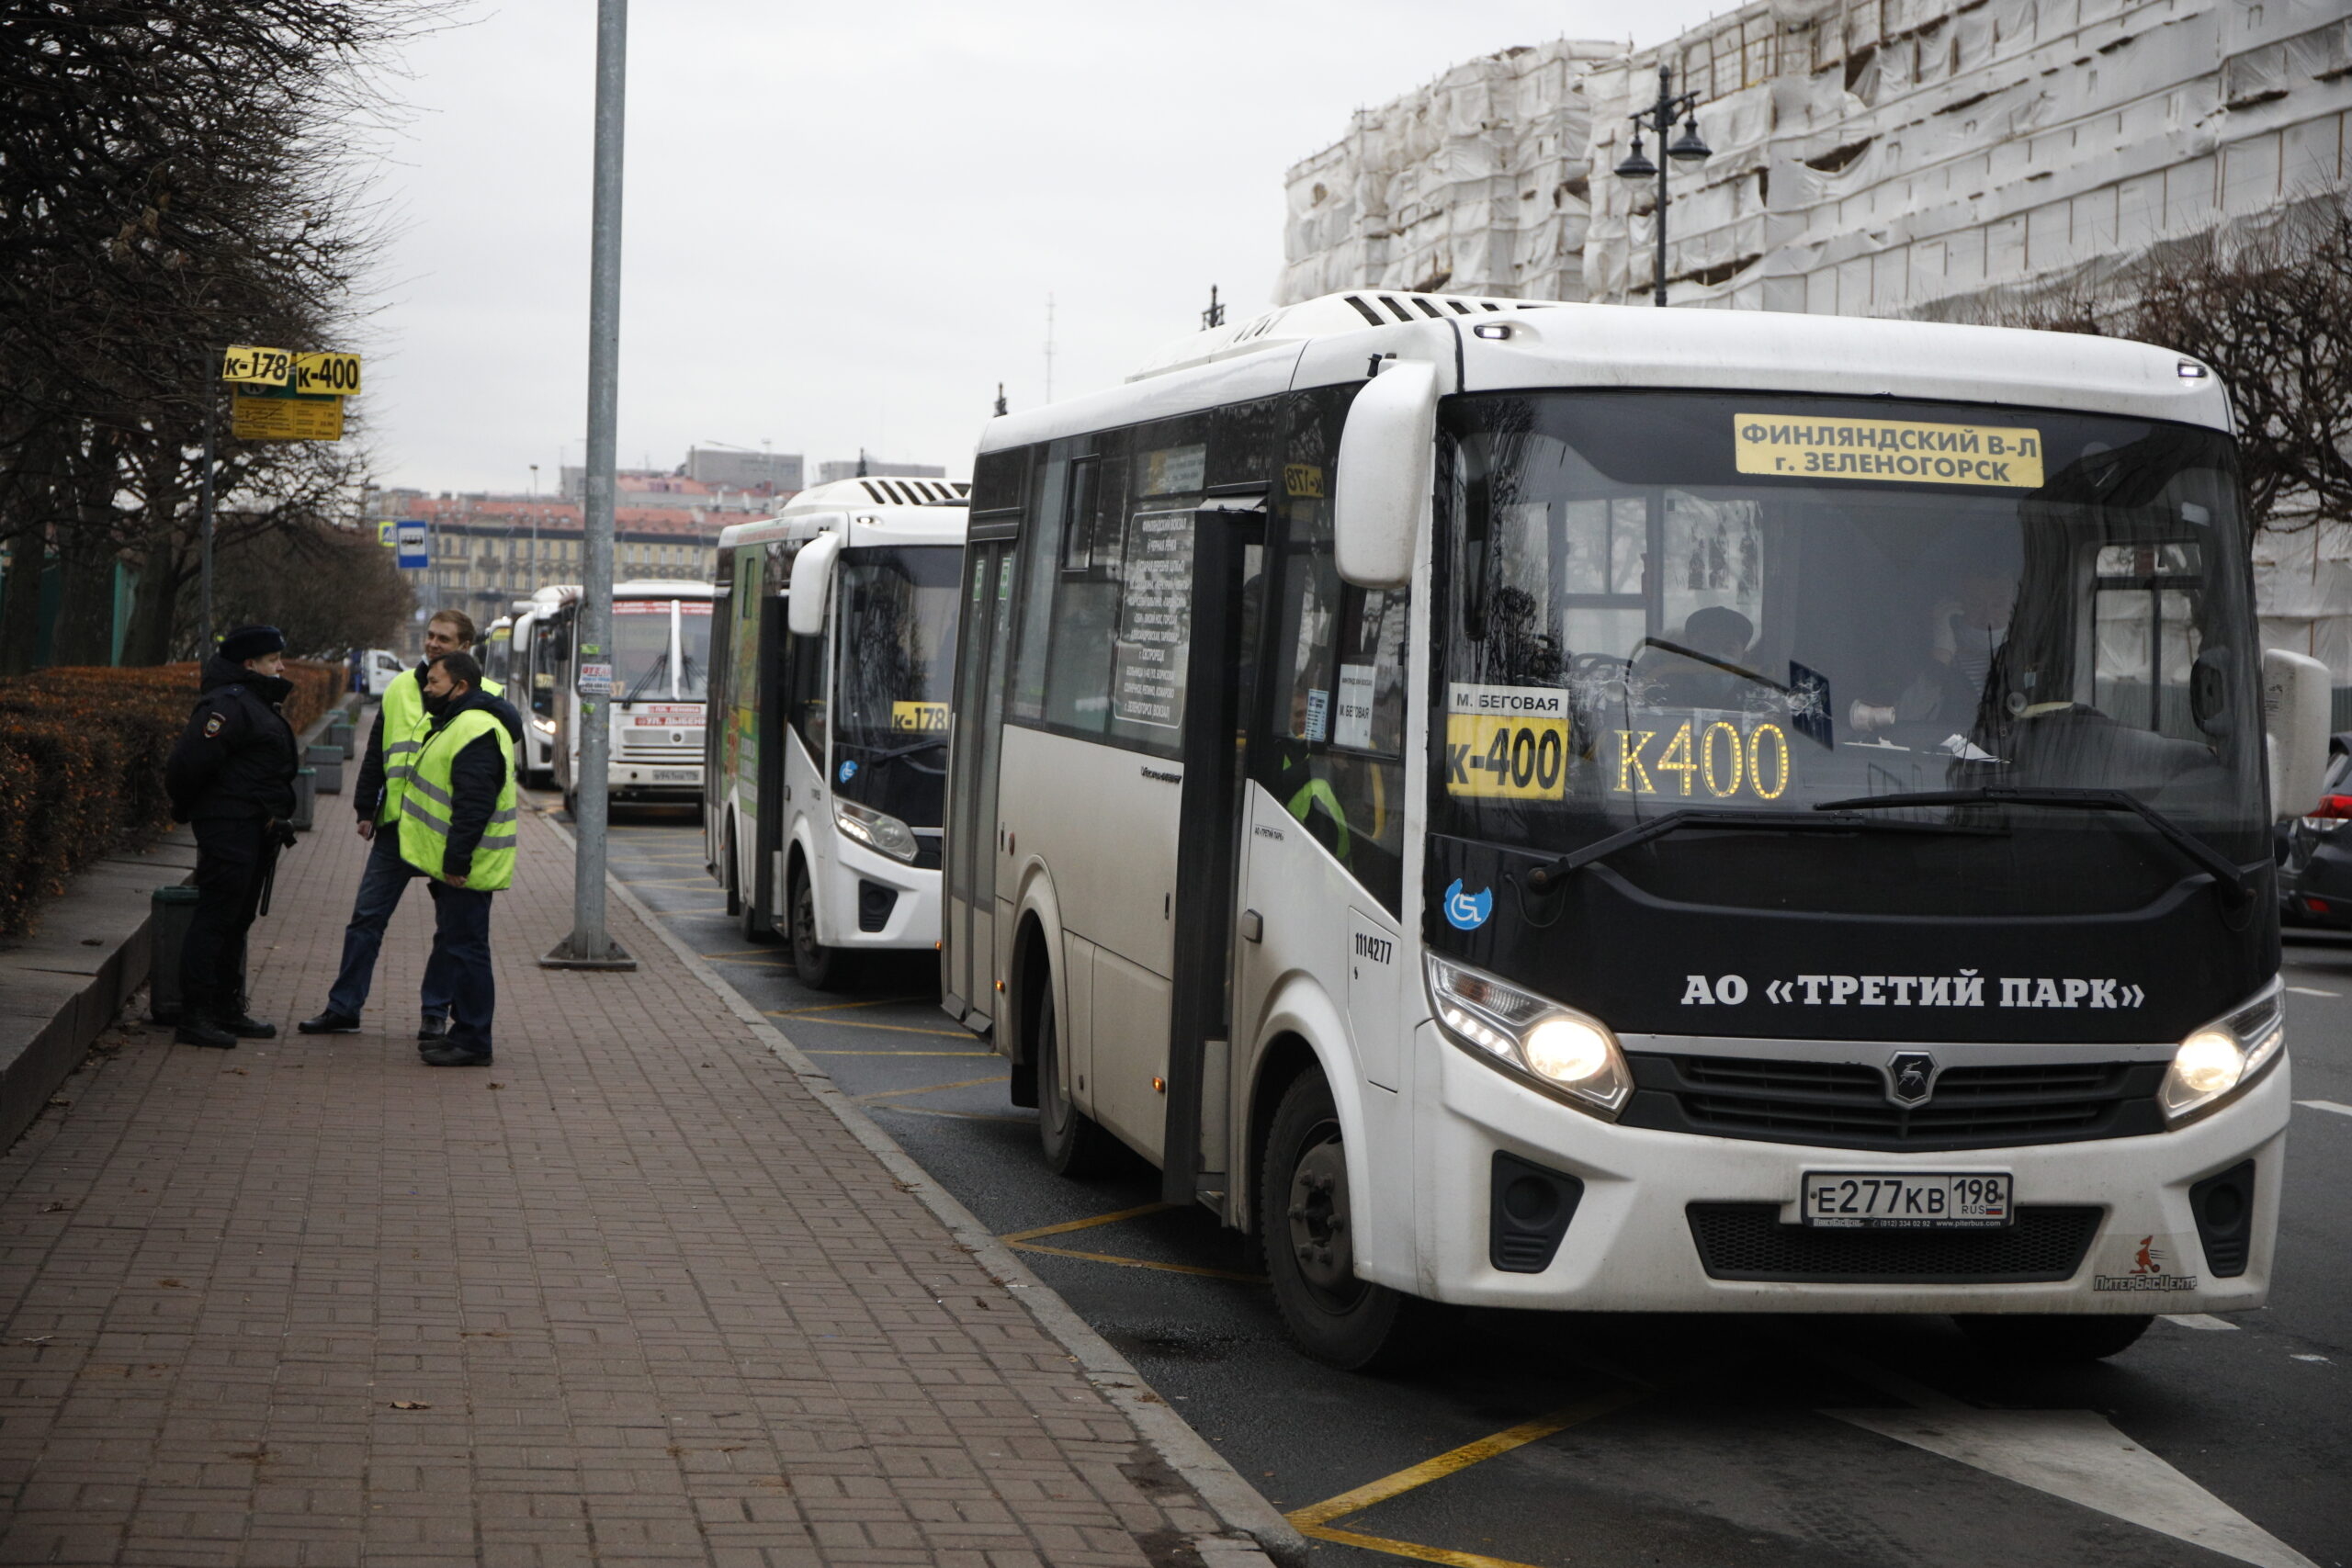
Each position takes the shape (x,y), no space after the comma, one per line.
(1387,458)
(2295,712)
(812,573)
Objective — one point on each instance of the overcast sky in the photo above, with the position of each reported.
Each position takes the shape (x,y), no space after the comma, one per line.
(844,220)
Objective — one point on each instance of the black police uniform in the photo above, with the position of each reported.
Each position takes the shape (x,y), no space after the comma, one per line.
(230,777)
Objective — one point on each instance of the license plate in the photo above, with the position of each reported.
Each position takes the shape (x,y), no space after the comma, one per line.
(1904,1200)
(675,775)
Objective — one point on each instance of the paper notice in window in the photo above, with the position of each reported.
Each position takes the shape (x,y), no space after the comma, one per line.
(1155,620)
(1354,725)
(1887,450)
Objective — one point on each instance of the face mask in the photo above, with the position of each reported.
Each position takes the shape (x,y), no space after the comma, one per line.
(436,705)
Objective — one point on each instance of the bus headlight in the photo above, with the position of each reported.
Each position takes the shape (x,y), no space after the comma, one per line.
(876,829)
(2225,1056)
(1559,1049)
(543,726)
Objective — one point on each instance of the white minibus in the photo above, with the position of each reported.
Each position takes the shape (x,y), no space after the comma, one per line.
(660,660)
(835,644)
(1616,809)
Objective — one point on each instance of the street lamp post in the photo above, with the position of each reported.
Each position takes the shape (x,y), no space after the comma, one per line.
(1685,149)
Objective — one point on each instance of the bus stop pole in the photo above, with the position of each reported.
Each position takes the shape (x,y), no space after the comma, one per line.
(588,946)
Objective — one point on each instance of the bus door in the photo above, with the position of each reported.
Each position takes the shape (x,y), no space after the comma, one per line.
(769,814)
(1228,574)
(967,929)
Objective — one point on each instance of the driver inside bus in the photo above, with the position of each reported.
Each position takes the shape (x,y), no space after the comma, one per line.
(1946,688)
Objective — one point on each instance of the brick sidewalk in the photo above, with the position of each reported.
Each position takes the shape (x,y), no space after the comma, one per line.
(651,1301)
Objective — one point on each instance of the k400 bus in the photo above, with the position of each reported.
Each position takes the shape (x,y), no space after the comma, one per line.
(661,665)
(1590,807)
(836,642)
(540,655)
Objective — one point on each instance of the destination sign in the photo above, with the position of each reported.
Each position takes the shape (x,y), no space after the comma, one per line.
(1904,451)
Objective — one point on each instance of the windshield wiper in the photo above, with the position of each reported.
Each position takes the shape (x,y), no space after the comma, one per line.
(2238,880)
(898,753)
(1544,877)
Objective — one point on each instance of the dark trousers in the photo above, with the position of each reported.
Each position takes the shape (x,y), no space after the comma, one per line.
(232,861)
(380,887)
(461,955)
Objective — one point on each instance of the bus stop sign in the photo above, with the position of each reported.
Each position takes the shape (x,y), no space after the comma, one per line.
(409,539)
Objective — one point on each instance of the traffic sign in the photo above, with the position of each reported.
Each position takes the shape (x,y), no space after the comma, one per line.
(385,535)
(259,366)
(416,555)
(329,375)
(260,416)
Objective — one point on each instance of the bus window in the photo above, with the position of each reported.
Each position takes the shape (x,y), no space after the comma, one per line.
(1086,603)
(694,650)
(641,649)
(1334,757)
(550,650)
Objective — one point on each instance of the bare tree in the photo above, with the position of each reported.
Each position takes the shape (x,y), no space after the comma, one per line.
(2269,310)
(175,175)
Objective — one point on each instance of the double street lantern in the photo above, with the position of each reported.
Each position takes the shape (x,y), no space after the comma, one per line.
(1685,148)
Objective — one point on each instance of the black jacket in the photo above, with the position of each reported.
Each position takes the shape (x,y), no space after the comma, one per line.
(368,793)
(477,776)
(237,757)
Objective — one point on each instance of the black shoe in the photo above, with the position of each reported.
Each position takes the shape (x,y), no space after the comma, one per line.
(245,1026)
(453,1056)
(432,1029)
(329,1022)
(194,1031)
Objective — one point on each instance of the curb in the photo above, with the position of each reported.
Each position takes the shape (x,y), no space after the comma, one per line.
(1239,1505)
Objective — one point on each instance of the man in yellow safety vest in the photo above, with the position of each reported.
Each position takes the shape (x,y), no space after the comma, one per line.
(458,826)
(401,725)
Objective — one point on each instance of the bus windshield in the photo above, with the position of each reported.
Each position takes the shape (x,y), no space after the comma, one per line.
(894,667)
(1660,602)
(641,650)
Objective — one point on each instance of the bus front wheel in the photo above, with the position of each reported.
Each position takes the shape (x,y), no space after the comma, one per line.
(1307,1224)
(1073,1143)
(819,967)
(2048,1338)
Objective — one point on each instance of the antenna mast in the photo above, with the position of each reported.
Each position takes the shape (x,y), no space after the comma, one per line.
(1049,348)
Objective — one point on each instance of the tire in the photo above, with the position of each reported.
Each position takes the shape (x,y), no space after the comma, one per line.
(572,803)
(1303,1219)
(820,967)
(728,877)
(2026,1336)
(1073,1143)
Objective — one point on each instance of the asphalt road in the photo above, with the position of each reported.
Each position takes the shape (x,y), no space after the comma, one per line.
(1554,1440)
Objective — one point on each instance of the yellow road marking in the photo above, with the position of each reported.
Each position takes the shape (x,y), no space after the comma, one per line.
(927,1089)
(893,1028)
(1137,1262)
(956,1115)
(897,1052)
(1067,1225)
(1314,1519)
(836,1007)
(1413,1550)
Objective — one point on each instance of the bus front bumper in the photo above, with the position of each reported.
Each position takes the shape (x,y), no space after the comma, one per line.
(858,886)
(1672,1221)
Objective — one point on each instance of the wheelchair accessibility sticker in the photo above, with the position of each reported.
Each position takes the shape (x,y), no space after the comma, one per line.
(848,771)
(1468,911)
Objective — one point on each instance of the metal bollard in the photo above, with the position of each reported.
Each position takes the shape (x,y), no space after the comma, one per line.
(328,763)
(167,923)
(306,799)
(344,734)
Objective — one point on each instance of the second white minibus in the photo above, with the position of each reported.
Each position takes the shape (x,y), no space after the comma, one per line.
(828,758)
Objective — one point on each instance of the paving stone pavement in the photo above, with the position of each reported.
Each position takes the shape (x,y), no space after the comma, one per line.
(631,1295)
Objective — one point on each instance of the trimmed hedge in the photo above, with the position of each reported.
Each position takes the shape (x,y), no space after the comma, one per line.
(82,754)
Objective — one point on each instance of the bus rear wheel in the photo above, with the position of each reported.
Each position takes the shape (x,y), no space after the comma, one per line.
(1307,1224)
(1073,1143)
(2030,1336)
(819,967)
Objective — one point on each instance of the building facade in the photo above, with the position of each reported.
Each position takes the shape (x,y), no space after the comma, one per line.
(488,552)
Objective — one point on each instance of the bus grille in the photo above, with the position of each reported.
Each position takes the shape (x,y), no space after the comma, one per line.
(1843,1105)
(1746,1241)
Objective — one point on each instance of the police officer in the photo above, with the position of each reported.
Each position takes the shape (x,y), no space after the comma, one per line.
(458,826)
(231,777)
(401,725)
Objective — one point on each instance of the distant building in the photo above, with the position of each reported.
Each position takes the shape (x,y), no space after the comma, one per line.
(874,467)
(769,473)
(490,550)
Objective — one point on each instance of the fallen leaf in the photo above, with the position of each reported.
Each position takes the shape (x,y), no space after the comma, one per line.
(410,1405)
(171,1284)
(55,1208)
(498,1086)
(239,1071)
(59,1100)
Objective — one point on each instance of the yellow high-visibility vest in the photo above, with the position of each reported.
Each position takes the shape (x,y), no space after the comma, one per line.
(428,803)
(406,724)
